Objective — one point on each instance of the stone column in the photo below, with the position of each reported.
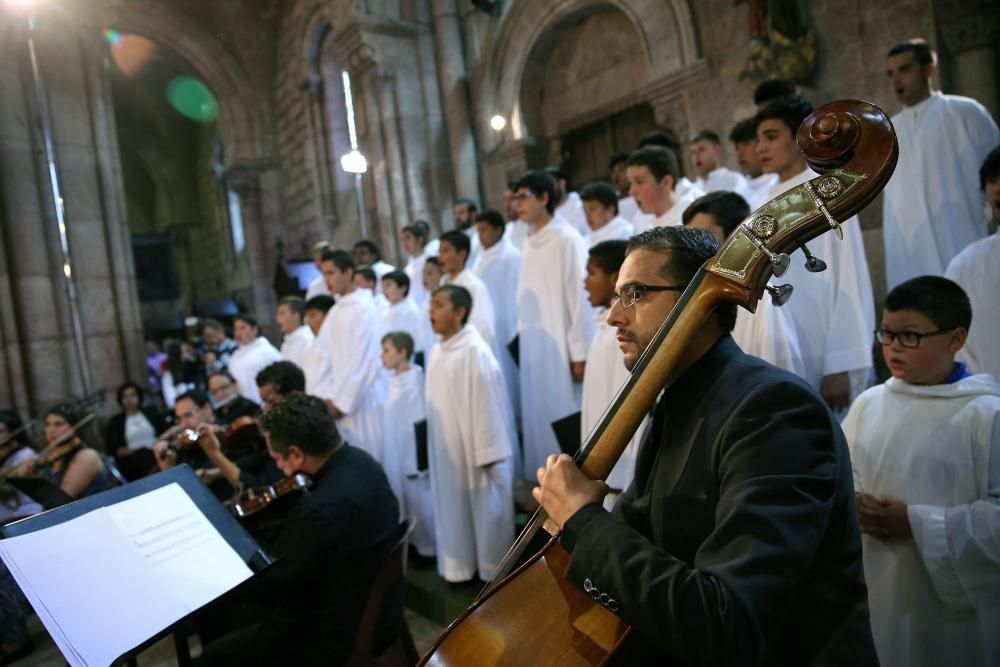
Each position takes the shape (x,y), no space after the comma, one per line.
(261,261)
(452,80)
(969,32)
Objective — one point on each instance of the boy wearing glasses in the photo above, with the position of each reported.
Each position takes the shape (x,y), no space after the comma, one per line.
(925,448)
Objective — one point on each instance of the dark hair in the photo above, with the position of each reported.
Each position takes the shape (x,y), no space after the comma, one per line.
(457,240)
(706,135)
(989,172)
(295,304)
(609,255)
(284,376)
(728,209)
(492,218)
(63,411)
(662,138)
(130,385)
(687,249)
(370,246)
(540,184)
(303,421)
(210,323)
(368,275)
(249,318)
(467,203)
(400,278)
(433,261)
(12,421)
(745,130)
(616,158)
(559,174)
(416,229)
(401,341)
(460,298)
(323,302)
(340,258)
(921,50)
(602,193)
(175,359)
(772,89)
(660,161)
(938,299)
(225,374)
(197,396)
(790,110)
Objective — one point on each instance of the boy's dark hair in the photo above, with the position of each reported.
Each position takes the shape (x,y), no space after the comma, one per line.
(284,376)
(249,318)
(492,218)
(210,323)
(433,261)
(130,385)
(368,275)
(710,136)
(989,172)
(728,209)
(295,304)
(790,110)
(938,299)
(460,298)
(371,247)
(772,89)
(687,249)
(468,204)
(660,161)
(609,255)
(457,240)
(662,138)
(323,302)
(921,50)
(417,230)
(340,258)
(602,193)
(618,157)
(197,396)
(401,341)
(540,184)
(303,421)
(400,278)
(743,131)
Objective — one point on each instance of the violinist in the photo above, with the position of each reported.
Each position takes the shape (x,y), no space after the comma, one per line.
(81,472)
(332,542)
(227,404)
(13,503)
(736,542)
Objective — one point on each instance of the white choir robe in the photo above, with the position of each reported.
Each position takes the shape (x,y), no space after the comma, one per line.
(571,210)
(628,208)
(406,316)
(977,270)
(475,246)
(317,288)
(833,311)
(381,304)
(554,326)
(770,334)
(617,229)
(470,438)
(517,231)
(247,361)
(357,384)
(935,599)
(760,189)
(725,180)
(405,407)
(932,206)
(604,376)
(498,268)
(295,344)
(316,363)
(427,336)
(483,315)
(414,270)
(674,216)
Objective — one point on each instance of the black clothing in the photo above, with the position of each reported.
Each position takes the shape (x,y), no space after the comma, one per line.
(234,409)
(737,542)
(138,462)
(334,540)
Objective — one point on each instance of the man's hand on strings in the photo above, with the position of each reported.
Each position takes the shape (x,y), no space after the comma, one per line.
(208,440)
(563,489)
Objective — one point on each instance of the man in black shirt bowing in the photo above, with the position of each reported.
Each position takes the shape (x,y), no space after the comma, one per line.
(333,540)
(737,541)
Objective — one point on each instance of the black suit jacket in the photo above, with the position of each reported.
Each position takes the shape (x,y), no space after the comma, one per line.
(737,542)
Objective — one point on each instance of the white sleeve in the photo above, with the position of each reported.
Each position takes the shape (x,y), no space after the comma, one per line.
(960,545)
(581,320)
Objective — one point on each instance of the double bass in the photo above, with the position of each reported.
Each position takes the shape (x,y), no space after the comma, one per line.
(529,614)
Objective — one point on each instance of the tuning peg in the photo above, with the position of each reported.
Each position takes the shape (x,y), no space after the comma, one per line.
(780,294)
(779,263)
(813,263)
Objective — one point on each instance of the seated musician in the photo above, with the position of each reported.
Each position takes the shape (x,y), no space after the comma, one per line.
(736,543)
(227,404)
(278,380)
(131,433)
(13,503)
(81,472)
(224,466)
(333,540)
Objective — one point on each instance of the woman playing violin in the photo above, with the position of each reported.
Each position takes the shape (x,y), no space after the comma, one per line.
(14,503)
(81,472)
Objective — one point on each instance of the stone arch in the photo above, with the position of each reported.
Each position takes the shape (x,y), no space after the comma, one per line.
(665,29)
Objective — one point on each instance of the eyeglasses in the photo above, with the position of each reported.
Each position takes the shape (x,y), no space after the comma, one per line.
(907,338)
(630,294)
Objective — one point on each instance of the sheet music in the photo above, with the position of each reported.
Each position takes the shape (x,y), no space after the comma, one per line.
(108,580)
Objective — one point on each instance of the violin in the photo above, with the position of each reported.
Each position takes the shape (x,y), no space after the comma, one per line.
(64,446)
(529,614)
(239,430)
(254,500)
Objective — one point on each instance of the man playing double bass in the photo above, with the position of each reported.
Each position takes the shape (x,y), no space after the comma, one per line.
(737,541)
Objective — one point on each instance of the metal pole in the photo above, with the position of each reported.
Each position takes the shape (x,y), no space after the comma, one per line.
(59,204)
